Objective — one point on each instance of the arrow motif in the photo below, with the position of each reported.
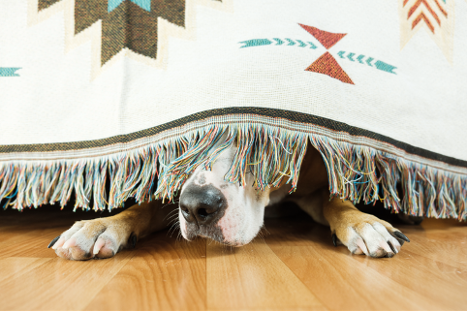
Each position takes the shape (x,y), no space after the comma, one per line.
(255,43)
(279,41)
(378,64)
(315,67)
(385,67)
(436,16)
(9,71)
(301,44)
(423,16)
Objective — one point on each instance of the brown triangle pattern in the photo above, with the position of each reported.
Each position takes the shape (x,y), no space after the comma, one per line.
(127,26)
(44,4)
(327,39)
(327,65)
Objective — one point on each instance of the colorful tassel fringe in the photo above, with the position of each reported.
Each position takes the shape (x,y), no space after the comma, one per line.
(271,153)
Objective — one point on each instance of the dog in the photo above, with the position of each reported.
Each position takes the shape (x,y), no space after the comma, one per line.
(233,215)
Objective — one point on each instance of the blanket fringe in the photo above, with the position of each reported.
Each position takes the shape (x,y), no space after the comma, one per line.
(270,153)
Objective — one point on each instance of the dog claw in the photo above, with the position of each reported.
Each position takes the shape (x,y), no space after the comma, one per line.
(334,239)
(132,240)
(53,241)
(401,236)
(392,248)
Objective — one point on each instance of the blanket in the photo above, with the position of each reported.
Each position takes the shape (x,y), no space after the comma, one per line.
(102,101)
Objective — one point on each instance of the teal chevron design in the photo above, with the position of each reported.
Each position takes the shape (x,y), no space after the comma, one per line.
(144,4)
(385,67)
(350,56)
(378,64)
(9,71)
(255,43)
(301,44)
(279,41)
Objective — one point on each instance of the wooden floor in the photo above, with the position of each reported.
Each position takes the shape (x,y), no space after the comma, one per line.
(292,267)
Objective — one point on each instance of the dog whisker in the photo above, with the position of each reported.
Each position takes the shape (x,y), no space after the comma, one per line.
(174,227)
(172,218)
(172,214)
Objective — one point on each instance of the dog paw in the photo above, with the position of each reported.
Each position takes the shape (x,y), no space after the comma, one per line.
(99,238)
(375,238)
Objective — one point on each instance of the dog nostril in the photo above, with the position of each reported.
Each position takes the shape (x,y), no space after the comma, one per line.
(184,209)
(201,205)
(186,213)
(202,212)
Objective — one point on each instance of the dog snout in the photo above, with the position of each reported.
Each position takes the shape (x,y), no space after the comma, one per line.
(202,204)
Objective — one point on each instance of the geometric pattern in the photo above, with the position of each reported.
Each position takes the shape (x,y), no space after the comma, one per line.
(436,16)
(361,59)
(144,4)
(327,39)
(126,24)
(326,64)
(9,71)
(286,41)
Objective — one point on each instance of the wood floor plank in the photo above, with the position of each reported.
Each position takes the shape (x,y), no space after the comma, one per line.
(253,278)
(344,284)
(436,255)
(445,287)
(59,284)
(443,241)
(27,233)
(29,243)
(164,274)
(11,267)
(295,266)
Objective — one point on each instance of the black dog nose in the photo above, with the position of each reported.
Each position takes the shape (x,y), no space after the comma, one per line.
(202,204)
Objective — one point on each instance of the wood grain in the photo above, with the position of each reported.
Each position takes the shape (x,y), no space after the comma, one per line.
(344,285)
(12,267)
(164,274)
(60,284)
(429,273)
(253,278)
(294,266)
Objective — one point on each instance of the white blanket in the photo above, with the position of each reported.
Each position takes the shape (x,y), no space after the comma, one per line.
(131,95)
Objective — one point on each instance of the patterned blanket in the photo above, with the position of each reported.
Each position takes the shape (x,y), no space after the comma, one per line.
(103,101)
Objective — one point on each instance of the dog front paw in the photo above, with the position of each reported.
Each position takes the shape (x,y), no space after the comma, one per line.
(372,236)
(98,238)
